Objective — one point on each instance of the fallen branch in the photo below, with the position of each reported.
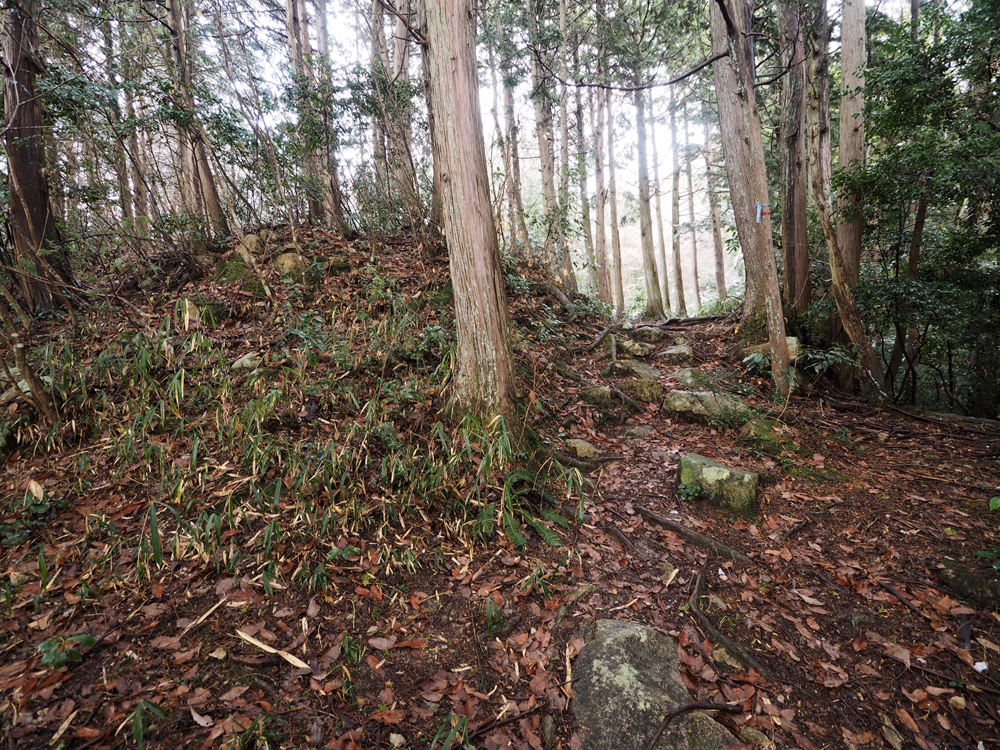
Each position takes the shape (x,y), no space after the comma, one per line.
(717,636)
(693,536)
(626,542)
(632,405)
(898,594)
(564,301)
(673,713)
(596,342)
(687,321)
(584,464)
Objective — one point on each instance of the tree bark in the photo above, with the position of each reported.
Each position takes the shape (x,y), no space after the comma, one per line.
(581,175)
(794,190)
(617,288)
(542,97)
(604,291)
(713,206)
(743,146)
(694,228)
(821,167)
(654,299)
(852,134)
(38,245)
(565,256)
(675,210)
(664,279)
(484,381)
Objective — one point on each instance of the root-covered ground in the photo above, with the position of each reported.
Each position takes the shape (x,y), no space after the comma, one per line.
(304,550)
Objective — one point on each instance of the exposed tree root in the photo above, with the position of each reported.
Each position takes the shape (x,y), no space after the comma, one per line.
(673,713)
(693,536)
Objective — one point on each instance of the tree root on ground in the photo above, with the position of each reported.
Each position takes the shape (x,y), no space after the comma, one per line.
(632,405)
(692,536)
(673,713)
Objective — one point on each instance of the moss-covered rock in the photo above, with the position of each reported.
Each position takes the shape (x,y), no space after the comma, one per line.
(648,391)
(599,395)
(633,348)
(970,585)
(582,448)
(231,269)
(625,678)
(692,377)
(731,489)
(291,265)
(707,407)
(681,354)
(634,369)
(766,436)
(649,334)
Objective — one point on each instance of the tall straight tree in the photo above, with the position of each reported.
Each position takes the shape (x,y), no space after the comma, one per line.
(689,156)
(604,291)
(38,248)
(794,182)
(675,208)
(852,133)
(484,382)
(541,96)
(654,300)
(664,280)
(581,175)
(713,206)
(617,288)
(743,146)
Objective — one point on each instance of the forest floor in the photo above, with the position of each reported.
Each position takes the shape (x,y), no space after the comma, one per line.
(308,553)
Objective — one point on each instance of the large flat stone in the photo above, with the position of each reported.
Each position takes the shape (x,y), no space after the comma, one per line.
(692,377)
(732,489)
(632,368)
(681,354)
(625,679)
(649,334)
(599,395)
(706,406)
(648,391)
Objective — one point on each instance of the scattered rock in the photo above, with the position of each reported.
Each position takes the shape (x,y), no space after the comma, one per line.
(635,348)
(649,334)
(188,313)
(957,702)
(253,244)
(676,355)
(639,431)
(599,395)
(756,738)
(248,361)
(648,391)
(705,406)
(764,435)
(548,728)
(291,265)
(726,660)
(765,348)
(337,267)
(632,368)
(626,677)
(668,572)
(692,377)
(582,448)
(970,585)
(732,489)
(666,457)
(232,269)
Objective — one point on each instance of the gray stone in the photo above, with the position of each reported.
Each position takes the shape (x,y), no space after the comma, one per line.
(765,348)
(248,361)
(634,369)
(232,269)
(731,489)
(582,448)
(600,395)
(22,387)
(625,679)
(705,406)
(649,334)
(726,660)
(765,435)
(640,431)
(548,727)
(676,355)
(635,348)
(692,377)
(253,244)
(648,391)
(291,265)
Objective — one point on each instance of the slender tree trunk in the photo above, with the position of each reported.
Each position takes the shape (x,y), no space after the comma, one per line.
(743,146)
(435,220)
(794,190)
(114,120)
(333,197)
(517,203)
(37,243)
(581,169)
(484,382)
(694,228)
(713,205)
(617,287)
(542,97)
(654,300)
(675,209)
(604,291)
(564,248)
(821,166)
(852,134)
(140,189)
(664,279)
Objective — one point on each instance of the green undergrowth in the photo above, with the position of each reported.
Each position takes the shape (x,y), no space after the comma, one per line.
(333,446)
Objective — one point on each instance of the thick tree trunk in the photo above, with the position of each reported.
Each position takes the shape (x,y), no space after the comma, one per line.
(662,256)
(604,291)
(853,58)
(617,288)
(794,190)
(675,209)
(691,217)
(821,167)
(541,96)
(654,299)
(743,146)
(38,246)
(713,206)
(484,382)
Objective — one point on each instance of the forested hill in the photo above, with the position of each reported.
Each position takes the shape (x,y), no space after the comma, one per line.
(419,374)
(257,524)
